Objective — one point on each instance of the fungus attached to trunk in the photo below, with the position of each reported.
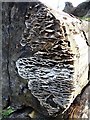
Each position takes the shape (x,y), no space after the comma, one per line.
(57,70)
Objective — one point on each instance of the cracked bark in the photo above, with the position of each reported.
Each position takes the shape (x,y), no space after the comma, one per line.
(86,38)
(8,49)
(15,91)
(5,49)
(7,53)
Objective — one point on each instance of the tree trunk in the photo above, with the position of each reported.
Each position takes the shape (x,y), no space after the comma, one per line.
(36,38)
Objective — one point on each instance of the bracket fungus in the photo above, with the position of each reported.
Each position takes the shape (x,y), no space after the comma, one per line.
(57,69)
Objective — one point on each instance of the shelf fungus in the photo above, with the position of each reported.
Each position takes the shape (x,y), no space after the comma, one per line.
(57,69)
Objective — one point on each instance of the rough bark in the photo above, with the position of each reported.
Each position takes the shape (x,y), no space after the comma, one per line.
(15,91)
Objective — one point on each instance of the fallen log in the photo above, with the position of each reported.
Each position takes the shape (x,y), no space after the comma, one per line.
(57,67)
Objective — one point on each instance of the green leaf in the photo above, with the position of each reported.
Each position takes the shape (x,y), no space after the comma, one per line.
(7,112)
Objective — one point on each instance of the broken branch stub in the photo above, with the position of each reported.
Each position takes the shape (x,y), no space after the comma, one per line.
(57,69)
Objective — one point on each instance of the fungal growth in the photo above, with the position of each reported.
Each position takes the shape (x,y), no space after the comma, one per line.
(55,69)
